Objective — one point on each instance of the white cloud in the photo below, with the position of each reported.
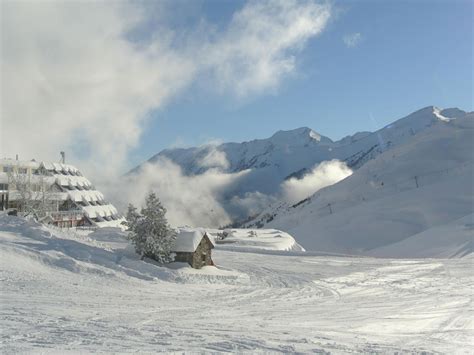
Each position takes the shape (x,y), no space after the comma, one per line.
(71,80)
(250,204)
(190,200)
(213,158)
(352,40)
(258,49)
(206,199)
(325,174)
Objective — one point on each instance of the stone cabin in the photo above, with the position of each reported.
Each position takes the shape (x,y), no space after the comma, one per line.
(193,247)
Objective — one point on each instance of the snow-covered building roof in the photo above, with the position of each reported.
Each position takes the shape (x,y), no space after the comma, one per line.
(85,195)
(187,240)
(73,181)
(100,211)
(60,168)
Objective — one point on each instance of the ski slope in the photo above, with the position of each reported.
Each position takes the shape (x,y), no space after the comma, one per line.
(450,240)
(69,293)
(423,184)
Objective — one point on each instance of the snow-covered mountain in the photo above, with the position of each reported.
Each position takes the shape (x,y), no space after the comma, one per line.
(294,153)
(408,177)
(423,183)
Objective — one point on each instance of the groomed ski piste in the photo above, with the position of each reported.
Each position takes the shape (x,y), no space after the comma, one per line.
(64,292)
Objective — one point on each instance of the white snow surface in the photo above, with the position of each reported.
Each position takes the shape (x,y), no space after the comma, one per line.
(449,240)
(85,195)
(74,181)
(259,239)
(64,292)
(242,239)
(100,211)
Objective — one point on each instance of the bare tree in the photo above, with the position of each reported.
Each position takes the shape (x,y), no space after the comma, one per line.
(32,194)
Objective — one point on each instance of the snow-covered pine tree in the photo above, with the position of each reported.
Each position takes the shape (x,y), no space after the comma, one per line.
(149,230)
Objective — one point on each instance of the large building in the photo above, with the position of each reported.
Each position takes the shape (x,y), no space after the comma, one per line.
(56,193)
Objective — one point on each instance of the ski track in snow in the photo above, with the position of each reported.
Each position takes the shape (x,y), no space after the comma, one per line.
(68,295)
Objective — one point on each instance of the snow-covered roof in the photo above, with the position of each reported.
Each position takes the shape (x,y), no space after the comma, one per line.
(67,180)
(60,168)
(65,168)
(188,240)
(47,165)
(99,211)
(20,163)
(85,195)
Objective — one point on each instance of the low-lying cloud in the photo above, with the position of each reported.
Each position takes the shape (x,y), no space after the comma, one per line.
(325,174)
(216,198)
(194,200)
(213,158)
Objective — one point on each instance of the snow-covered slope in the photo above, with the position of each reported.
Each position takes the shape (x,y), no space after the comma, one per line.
(68,294)
(423,183)
(453,239)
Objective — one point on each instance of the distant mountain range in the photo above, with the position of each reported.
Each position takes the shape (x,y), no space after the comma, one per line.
(409,176)
(293,153)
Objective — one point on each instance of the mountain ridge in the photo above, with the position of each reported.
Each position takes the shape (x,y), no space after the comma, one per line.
(268,163)
(422,185)
(264,152)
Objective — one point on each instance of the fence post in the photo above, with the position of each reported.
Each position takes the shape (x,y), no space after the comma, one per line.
(416,181)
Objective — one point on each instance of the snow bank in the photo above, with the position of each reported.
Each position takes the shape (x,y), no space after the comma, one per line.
(104,252)
(258,239)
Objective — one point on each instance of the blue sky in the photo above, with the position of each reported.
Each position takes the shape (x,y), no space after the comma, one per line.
(410,54)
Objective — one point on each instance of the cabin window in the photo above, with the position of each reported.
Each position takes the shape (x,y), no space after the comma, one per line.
(203,257)
(7,169)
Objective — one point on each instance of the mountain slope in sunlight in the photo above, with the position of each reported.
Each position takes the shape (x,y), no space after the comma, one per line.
(421,184)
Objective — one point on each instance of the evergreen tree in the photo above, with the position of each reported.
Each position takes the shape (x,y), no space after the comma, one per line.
(149,230)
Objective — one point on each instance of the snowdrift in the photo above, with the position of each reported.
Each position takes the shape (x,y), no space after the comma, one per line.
(258,239)
(241,239)
(31,247)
